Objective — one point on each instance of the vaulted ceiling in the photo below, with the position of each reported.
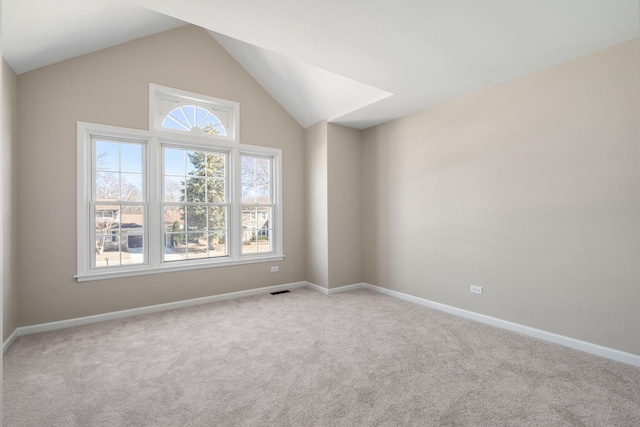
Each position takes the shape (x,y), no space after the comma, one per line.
(355,62)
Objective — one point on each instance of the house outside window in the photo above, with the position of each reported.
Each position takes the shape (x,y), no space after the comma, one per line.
(186,194)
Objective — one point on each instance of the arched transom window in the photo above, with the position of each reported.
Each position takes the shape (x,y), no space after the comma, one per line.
(177,111)
(194,118)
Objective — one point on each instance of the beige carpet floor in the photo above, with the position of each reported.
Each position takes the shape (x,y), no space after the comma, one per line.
(305,359)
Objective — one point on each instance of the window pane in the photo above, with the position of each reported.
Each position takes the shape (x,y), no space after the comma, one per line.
(112,159)
(263,193)
(130,187)
(196,218)
(205,164)
(190,111)
(133,253)
(174,162)
(264,241)
(201,114)
(107,252)
(131,158)
(132,219)
(175,247)
(119,235)
(217,218)
(194,118)
(173,189)
(257,241)
(173,219)
(179,115)
(249,215)
(212,126)
(171,123)
(215,165)
(107,186)
(107,156)
(196,163)
(193,230)
(256,180)
(196,190)
(217,244)
(248,192)
(257,217)
(248,168)
(262,169)
(107,225)
(132,248)
(257,231)
(215,190)
(197,245)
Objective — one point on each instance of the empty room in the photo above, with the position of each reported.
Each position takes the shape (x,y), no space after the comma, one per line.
(303,213)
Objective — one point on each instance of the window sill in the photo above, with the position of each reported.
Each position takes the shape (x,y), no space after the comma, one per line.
(169,268)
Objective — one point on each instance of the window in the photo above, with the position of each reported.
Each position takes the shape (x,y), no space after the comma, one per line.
(193,118)
(173,110)
(258,202)
(118,202)
(183,195)
(195,204)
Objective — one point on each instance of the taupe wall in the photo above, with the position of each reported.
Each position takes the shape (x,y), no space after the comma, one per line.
(9,205)
(111,87)
(344,165)
(333,205)
(530,189)
(316,205)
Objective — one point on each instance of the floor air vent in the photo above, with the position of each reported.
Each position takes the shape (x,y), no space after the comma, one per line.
(279,292)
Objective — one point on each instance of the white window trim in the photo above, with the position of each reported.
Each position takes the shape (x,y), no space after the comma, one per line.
(86,132)
(154,141)
(159,93)
(276,185)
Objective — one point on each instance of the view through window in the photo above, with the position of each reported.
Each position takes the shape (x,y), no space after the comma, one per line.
(153,201)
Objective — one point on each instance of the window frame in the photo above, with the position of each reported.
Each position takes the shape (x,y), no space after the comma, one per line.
(159,94)
(228,196)
(118,203)
(154,141)
(258,206)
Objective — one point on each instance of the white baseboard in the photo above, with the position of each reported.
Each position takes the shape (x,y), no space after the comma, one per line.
(598,350)
(346,288)
(318,288)
(330,291)
(44,327)
(7,343)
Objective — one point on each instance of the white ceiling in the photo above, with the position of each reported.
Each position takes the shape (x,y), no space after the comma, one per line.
(354,62)
(36,33)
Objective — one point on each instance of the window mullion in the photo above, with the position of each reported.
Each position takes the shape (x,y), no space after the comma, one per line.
(235,201)
(154,194)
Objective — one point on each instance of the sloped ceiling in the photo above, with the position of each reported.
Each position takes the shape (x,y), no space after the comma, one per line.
(308,93)
(36,33)
(364,62)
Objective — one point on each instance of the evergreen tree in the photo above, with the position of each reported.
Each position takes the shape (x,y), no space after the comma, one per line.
(176,239)
(205,185)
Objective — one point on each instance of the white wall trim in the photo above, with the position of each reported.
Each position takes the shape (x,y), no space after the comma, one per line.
(598,350)
(330,291)
(318,288)
(345,288)
(7,343)
(51,326)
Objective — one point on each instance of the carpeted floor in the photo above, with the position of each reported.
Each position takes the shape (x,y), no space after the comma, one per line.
(303,358)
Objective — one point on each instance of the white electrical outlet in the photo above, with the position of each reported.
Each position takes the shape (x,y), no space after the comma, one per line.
(476,289)
(275,269)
